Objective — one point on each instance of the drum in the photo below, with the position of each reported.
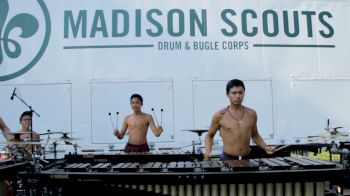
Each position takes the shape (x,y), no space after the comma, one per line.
(16,153)
(5,154)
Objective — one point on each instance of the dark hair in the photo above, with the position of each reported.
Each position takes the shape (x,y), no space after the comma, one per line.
(26,113)
(136,96)
(232,83)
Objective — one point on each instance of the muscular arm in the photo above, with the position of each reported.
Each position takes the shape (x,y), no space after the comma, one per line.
(156,130)
(214,127)
(259,140)
(121,134)
(4,128)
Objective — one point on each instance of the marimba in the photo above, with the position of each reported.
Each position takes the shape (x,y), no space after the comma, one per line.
(264,176)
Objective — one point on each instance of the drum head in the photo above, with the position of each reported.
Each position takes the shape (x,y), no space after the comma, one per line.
(5,155)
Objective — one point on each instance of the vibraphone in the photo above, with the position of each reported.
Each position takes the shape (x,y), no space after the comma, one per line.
(264,176)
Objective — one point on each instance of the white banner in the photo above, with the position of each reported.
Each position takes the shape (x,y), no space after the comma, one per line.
(179,55)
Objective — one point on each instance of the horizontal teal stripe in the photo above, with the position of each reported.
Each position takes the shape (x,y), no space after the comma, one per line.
(293,46)
(109,46)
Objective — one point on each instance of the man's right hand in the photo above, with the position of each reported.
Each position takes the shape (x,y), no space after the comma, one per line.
(159,130)
(207,155)
(116,133)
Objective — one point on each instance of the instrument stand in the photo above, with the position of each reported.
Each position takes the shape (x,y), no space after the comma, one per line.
(199,132)
(55,152)
(47,142)
(345,158)
(76,148)
(194,144)
(37,167)
(344,155)
(334,149)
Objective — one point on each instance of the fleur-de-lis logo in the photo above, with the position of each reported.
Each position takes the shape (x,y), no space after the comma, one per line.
(27,23)
(11,48)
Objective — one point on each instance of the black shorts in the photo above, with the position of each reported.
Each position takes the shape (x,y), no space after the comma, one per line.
(136,148)
(224,156)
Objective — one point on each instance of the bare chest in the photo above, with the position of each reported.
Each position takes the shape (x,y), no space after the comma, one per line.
(234,126)
(137,122)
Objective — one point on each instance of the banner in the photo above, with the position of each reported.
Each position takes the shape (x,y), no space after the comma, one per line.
(178,55)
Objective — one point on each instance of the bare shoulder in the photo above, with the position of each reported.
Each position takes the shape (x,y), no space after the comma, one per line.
(127,119)
(220,113)
(250,111)
(128,116)
(148,116)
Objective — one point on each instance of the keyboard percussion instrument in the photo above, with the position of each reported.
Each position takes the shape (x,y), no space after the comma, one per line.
(171,172)
(156,176)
